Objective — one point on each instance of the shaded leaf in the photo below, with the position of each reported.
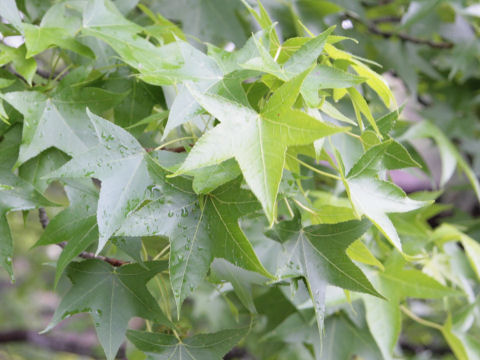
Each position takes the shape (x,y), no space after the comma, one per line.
(198,347)
(112,296)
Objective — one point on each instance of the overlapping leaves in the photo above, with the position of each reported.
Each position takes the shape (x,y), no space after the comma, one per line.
(258,129)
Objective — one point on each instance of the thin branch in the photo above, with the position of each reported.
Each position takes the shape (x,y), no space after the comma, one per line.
(44,220)
(179,149)
(387,19)
(405,37)
(238,353)
(64,342)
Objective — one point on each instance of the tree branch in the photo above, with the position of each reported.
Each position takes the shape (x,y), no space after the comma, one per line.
(65,342)
(44,220)
(405,37)
(178,149)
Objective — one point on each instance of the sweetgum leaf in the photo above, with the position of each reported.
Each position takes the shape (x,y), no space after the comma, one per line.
(9,11)
(388,155)
(158,65)
(36,169)
(241,280)
(59,120)
(221,16)
(376,198)
(198,347)
(77,225)
(318,253)
(15,195)
(344,340)
(112,296)
(449,154)
(300,61)
(258,141)
(199,229)
(38,39)
(121,163)
(25,67)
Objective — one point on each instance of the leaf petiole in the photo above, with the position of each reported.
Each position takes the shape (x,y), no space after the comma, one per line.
(324,173)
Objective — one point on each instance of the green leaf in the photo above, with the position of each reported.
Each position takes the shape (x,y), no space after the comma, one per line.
(383,317)
(345,340)
(275,306)
(388,155)
(34,170)
(454,342)
(38,39)
(121,163)
(299,62)
(361,107)
(447,232)
(112,296)
(16,195)
(241,280)
(25,67)
(317,253)
(59,120)
(76,225)
(212,21)
(258,141)
(9,11)
(376,198)
(208,229)
(198,347)
(158,65)
(139,102)
(399,282)
(448,152)
(327,77)
(302,59)
(387,122)
(358,251)
(208,179)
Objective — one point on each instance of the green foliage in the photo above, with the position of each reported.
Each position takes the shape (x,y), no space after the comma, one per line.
(249,196)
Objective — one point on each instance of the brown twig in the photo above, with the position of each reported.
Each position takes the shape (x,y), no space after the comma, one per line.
(64,342)
(405,37)
(42,214)
(386,19)
(178,149)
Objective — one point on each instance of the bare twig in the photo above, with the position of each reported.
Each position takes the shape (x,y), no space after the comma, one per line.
(179,149)
(65,342)
(386,19)
(84,254)
(405,37)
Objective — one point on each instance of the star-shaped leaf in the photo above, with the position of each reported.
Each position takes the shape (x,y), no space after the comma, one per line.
(121,163)
(59,120)
(226,76)
(200,229)
(300,61)
(15,195)
(318,253)
(159,65)
(375,198)
(113,296)
(39,38)
(258,141)
(199,347)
